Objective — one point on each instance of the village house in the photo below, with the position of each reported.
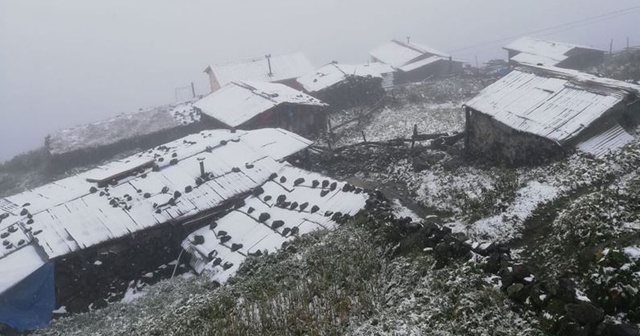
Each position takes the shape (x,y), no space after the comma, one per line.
(343,85)
(533,51)
(415,62)
(282,69)
(86,223)
(84,144)
(254,105)
(293,202)
(535,113)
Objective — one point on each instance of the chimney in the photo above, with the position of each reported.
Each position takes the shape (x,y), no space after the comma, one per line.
(268,56)
(201,161)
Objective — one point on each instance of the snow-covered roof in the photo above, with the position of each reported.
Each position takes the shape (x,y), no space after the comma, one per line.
(122,127)
(292,202)
(612,138)
(541,52)
(238,102)
(334,73)
(283,67)
(421,63)
(131,195)
(553,103)
(397,53)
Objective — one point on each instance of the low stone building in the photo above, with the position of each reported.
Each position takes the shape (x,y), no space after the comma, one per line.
(533,51)
(254,105)
(343,85)
(415,62)
(107,226)
(534,113)
(283,69)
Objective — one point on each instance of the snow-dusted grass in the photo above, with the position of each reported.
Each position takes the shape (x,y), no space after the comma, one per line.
(450,301)
(398,122)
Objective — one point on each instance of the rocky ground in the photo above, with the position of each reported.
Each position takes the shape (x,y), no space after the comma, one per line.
(487,250)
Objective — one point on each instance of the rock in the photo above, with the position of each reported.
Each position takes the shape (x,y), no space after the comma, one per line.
(584,313)
(555,306)
(493,263)
(624,329)
(572,329)
(520,272)
(566,290)
(517,292)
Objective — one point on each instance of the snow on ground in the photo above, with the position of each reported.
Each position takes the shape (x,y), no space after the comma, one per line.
(402,211)
(507,225)
(397,122)
(439,188)
(633,252)
(133,293)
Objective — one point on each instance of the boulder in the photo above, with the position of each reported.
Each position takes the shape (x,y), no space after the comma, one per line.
(584,313)
(624,329)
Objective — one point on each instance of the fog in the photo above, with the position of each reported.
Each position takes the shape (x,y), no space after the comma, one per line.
(69,62)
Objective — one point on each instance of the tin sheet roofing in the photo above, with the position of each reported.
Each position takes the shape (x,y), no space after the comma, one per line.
(334,73)
(397,53)
(613,138)
(293,202)
(421,63)
(238,102)
(122,127)
(72,214)
(541,52)
(283,67)
(552,103)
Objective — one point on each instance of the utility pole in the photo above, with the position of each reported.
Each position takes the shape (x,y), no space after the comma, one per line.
(627,42)
(268,56)
(611,47)
(193,90)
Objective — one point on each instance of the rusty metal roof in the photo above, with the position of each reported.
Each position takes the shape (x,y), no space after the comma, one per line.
(553,103)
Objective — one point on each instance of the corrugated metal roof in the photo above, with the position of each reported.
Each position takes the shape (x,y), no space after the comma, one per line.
(541,52)
(73,214)
(334,73)
(397,53)
(611,139)
(421,63)
(122,127)
(283,67)
(239,102)
(552,103)
(311,199)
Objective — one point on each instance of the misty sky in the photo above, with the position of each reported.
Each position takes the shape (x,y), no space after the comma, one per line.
(68,62)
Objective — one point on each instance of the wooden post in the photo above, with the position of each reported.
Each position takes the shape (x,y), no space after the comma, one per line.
(627,42)
(193,90)
(363,137)
(611,47)
(415,134)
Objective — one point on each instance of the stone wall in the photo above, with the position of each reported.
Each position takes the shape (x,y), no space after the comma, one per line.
(489,139)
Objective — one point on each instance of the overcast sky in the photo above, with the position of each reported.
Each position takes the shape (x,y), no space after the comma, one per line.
(69,62)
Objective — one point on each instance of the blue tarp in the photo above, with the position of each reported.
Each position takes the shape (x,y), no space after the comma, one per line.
(28,305)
